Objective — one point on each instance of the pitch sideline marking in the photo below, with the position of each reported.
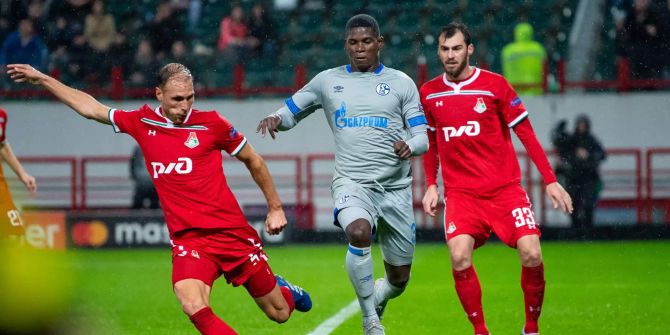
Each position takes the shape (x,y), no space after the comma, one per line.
(336,320)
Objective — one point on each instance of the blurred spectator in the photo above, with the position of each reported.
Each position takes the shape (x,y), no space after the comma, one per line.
(144,66)
(23,46)
(640,41)
(73,11)
(80,64)
(163,30)
(100,32)
(580,157)
(144,195)
(232,42)
(523,61)
(180,54)
(36,14)
(262,33)
(665,38)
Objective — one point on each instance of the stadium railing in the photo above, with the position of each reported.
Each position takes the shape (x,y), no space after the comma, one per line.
(636,186)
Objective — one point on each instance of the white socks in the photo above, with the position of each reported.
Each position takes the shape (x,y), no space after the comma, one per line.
(360,270)
(387,291)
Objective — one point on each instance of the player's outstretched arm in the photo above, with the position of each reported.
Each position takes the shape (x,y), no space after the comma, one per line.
(429,201)
(13,162)
(80,102)
(559,197)
(276,219)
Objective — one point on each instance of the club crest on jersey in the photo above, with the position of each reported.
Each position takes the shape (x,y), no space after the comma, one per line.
(344,199)
(480,106)
(192,140)
(383,89)
(452,228)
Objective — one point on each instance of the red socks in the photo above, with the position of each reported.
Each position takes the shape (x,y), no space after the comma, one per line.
(532,284)
(288,297)
(209,324)
(470,293)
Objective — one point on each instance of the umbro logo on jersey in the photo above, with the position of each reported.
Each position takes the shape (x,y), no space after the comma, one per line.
(338,88)
(438,103)
(471,129)
(192,140)
(184,165)
(152,133)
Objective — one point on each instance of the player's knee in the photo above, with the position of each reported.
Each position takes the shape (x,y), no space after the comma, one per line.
(359,233)
(531,257)
(460,260)
(192,306)
(279,315)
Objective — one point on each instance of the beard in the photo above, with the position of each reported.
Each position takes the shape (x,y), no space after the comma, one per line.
(456,72)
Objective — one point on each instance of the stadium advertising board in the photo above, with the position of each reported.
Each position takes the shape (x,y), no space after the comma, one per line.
(145,228)
(45,230)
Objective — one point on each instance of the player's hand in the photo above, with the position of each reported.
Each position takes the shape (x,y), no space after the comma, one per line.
(29,182)
(402,149)
(430,200)
(24,73)
(269,124)
(275,221)
(559,197)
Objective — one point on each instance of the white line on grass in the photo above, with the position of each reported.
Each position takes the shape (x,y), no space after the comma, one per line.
(336,320)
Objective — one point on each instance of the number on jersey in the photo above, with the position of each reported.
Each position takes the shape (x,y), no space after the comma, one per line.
(524,217)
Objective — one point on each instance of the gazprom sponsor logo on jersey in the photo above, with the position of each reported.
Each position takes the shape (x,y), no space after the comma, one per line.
(342,121)
(383,89)
(338,88)
(470,129)
(184,165)
(515,102)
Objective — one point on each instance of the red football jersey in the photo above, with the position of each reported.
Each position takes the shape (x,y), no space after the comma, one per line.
(470,122)
(185,163)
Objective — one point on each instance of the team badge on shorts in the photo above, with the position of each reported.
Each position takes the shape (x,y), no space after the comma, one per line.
(452,228)
(192,140)
(480,107)
(383,89)
(344,199)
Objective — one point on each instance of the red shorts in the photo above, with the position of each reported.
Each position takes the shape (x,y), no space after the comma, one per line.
(508,214)
(237,253)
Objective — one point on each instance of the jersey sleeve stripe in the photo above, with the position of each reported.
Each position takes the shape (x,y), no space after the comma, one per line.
(110,114)
(417,121)
(239,147)
(518,119)
(292,106)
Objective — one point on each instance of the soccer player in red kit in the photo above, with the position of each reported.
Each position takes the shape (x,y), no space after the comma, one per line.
(469,113)
(210,235)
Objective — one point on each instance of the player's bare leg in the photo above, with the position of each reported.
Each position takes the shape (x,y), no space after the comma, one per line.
(193,295)
(467,284)
(532,280)
(275,305)
(391,286)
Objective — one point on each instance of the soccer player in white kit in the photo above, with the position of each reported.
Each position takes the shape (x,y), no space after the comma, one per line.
(376,119)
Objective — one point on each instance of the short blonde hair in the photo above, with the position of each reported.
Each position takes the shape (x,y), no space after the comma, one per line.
(171,70)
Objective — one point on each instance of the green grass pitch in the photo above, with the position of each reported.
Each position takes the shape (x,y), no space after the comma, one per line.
(592,288)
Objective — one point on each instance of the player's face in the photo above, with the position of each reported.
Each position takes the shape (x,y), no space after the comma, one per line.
(176,99)
(454,55)
(363,49)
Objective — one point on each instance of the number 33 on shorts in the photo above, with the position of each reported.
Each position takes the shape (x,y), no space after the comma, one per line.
(524,217)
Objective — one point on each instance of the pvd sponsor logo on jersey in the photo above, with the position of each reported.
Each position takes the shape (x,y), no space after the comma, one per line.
(184,165)
(471,128)
(342,121)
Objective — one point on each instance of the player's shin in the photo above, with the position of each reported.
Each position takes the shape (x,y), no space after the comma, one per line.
(208,323)
(360,270)
(532,284)
(469,293)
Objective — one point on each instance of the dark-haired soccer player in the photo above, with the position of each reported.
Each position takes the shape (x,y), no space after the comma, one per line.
(375,116)
(210,235)
(11,225)
(470,112)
